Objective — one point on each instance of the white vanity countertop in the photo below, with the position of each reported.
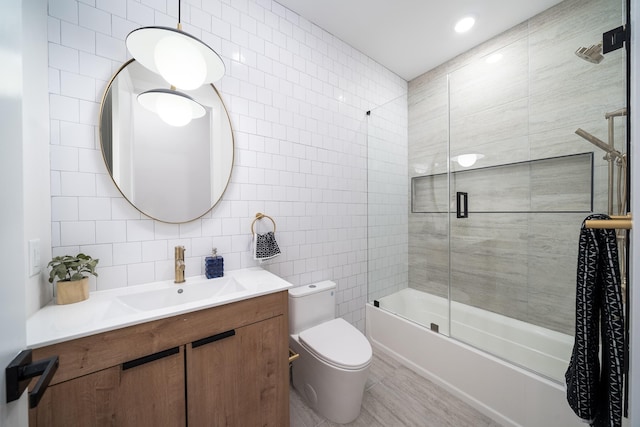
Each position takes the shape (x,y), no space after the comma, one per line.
(121,307)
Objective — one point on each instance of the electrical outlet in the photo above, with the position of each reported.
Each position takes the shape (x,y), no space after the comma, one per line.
(34,257)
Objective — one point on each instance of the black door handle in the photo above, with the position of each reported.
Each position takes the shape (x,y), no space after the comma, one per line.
(19,372)
(462,206)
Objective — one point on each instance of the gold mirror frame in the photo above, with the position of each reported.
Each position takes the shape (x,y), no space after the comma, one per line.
(161,170)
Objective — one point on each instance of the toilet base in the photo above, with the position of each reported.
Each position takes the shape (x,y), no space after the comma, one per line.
(333,392)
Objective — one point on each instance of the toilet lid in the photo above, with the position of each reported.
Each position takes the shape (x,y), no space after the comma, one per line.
(339,343)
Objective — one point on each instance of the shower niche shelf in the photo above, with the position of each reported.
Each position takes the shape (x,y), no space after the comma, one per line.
(555,184)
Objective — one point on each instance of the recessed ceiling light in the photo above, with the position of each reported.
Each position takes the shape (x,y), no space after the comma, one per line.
(465,24)
(467,160)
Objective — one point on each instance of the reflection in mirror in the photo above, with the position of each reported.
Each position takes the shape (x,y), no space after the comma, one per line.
(172,174)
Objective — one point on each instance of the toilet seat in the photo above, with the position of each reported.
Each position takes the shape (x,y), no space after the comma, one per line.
(338,343)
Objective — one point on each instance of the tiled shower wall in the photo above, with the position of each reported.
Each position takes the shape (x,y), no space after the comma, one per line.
(297,98)
(523,107)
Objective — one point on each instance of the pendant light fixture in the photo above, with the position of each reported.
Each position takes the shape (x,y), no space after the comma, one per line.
(183,60)
(173,107)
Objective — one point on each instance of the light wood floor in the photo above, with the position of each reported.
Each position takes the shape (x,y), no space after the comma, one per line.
(397,397)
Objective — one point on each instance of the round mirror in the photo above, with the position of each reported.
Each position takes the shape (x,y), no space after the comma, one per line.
(169,173)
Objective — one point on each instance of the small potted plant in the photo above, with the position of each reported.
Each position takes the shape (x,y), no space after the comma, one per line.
(72,274)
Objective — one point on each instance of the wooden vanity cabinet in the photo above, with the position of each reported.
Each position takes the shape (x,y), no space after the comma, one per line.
(223,366)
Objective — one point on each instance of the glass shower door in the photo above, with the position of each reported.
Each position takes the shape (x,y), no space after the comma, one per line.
(521,181)
(387,202)
(481,245)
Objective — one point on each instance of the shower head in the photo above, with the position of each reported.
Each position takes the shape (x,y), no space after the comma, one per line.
(599,143)
(592,53)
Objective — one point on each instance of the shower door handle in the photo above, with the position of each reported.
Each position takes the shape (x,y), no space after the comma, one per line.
(462,205)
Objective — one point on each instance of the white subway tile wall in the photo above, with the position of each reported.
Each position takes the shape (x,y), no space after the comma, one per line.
(297,98)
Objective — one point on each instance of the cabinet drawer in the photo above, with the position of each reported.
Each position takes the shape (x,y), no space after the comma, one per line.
(146,394)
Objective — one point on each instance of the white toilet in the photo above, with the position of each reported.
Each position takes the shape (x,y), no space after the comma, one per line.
(334,361)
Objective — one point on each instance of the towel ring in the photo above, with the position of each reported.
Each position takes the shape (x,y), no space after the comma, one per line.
(261,216)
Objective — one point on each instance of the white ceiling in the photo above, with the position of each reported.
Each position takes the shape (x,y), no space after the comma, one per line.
(410,37)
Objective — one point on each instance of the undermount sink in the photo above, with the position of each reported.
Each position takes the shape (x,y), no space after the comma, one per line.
(182,293)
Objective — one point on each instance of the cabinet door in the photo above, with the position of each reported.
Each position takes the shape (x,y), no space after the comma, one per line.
(240,378)
(145,392)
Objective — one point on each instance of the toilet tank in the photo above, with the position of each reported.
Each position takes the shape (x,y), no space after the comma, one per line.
(311,305)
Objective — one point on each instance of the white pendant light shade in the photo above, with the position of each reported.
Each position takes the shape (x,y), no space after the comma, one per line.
(174,108)
(181,59)
(179,63)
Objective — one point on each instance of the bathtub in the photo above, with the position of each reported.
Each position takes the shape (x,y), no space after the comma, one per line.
(504,391)
(542,350)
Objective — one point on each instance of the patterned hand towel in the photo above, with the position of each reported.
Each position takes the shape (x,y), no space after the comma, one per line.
(265,246)
(594,388)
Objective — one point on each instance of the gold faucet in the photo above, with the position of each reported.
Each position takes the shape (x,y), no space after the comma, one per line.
(179,264)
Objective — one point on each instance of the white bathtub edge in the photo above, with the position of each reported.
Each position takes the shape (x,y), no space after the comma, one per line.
(465,397)
(507,394)
(475,403)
